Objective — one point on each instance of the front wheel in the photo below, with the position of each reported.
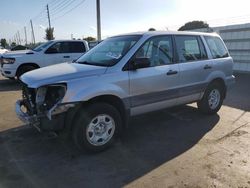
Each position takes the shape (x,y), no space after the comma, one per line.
(96,127)
(212,99)
(24,69)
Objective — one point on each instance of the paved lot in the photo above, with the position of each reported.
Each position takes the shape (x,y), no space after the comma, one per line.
(178,147)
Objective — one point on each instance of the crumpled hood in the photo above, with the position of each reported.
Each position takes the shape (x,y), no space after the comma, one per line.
(60,73)
(17,53)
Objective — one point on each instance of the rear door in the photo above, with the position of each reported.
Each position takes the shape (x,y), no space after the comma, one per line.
(194,67)
(76,49)
(154,87)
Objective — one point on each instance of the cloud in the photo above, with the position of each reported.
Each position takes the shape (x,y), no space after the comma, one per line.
(43,27)
(93,28)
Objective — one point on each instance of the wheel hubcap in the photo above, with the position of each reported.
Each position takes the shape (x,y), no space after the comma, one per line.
(100,129)
(214,99)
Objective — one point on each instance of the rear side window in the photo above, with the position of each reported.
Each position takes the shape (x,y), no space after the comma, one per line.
(190,48)
(216,46)
(76,47)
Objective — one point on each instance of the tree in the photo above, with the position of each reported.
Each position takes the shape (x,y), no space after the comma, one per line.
(89,39)
(3,43)
(49,33)
(151,29)
(13,44)
(193,25)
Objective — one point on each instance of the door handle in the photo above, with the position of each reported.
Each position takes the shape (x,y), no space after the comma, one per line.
(66,56)
(171,72)
(207,67)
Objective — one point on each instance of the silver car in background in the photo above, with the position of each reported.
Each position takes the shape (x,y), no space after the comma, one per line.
(123,76)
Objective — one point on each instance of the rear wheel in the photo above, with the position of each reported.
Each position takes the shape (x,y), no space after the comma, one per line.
(212,99)
(24,69)
(96,127)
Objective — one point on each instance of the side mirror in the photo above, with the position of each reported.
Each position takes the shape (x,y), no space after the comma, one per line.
(139,63)
(51,51)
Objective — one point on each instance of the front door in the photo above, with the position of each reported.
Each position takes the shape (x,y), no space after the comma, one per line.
(156,86)
(62,52)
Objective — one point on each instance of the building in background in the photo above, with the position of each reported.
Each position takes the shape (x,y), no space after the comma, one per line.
(237,40)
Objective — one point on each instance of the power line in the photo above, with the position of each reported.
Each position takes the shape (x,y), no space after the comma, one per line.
(38,16)
(60,4)
(63,7)
(69,10)
(53,3)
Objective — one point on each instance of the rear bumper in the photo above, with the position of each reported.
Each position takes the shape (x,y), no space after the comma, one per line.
(230,81)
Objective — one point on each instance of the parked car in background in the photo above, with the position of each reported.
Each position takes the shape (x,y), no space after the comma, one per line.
(92,44)
(93,98)
(3,50)
(19,47)
(16,63)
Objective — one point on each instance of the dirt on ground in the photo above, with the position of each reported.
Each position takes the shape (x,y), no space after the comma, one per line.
(177,147)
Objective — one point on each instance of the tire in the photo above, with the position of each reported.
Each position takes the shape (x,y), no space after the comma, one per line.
(212,99)
(96,126)
(24,69)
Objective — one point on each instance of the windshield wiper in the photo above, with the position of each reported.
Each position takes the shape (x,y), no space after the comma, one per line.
(92,63)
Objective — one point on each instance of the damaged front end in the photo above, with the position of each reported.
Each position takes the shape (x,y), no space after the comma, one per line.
(43,107)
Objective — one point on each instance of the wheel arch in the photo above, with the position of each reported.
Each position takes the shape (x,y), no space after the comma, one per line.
(115,101)
(221,82)
(27,64)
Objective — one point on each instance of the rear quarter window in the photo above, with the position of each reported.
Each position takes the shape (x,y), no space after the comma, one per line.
(216,47)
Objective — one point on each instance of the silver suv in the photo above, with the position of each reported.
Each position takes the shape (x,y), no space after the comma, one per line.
(123,76)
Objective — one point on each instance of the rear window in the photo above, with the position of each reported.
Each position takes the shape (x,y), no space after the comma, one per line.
(216,46)
(190,48)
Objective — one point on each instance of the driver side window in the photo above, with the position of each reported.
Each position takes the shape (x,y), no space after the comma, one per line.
(158,50)
(55,48)
(59,47)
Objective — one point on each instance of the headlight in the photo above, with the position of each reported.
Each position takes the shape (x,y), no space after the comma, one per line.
(8,60)
(48,96)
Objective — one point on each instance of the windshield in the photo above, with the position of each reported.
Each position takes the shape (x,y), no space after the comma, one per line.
(110,51)
(42,46)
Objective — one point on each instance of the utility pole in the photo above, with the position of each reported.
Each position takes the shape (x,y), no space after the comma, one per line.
(48,15)
(16,37)
(98,16)
(19,38)
(32,30)
(25,34)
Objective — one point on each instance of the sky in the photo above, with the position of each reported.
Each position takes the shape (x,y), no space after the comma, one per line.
(78,17)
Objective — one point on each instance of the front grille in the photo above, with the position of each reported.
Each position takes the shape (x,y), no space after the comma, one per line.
(29,97)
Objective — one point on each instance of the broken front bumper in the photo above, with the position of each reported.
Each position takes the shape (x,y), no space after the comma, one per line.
(23,116)
(42,122)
